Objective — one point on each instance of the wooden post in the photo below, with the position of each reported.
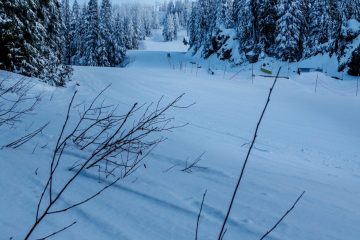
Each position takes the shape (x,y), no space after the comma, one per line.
(99,172)
(252,73)
(224,70)
(289,69)
(316,83)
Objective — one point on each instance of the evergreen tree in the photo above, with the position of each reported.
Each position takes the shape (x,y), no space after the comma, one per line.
(65,10)
(356,10)
(105,44)
(17,50)
(223,14)
(75,33)
(323,27)
(54,72)
(335,26)
(169,28)
(31,40)
(319,21)
(246,24)
(192,26)
(267,26)
(129,37)
(138,25)
(118,40)
(187,13)
(350,9)
(288,33)
(147,20)
(91,37)
(155,22)
(354,65)
(170,7)
(79,58)
(176,25)
(202,24)
(206,19)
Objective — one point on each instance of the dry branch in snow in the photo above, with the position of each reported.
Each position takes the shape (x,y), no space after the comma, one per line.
(117,143)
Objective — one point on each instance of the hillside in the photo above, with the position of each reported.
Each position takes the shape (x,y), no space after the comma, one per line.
(308,142)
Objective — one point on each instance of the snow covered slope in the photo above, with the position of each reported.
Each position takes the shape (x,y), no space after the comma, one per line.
(308,141)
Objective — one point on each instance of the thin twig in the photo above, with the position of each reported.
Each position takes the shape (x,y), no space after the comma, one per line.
(15,100)
(283,217)
(199,215)
(168,169)
(21,141)
(189,168)
(246,160)
(108,141)
(57,232)
(225,231)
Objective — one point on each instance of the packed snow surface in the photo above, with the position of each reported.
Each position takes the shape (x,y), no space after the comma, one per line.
(308,141)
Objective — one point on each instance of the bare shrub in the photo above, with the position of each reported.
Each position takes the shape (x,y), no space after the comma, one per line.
(115,143)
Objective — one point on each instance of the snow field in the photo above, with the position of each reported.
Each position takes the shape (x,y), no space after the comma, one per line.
(308,141)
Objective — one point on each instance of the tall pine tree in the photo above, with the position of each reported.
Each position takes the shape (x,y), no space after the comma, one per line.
(246,24)
(31,39)
(91,35)
(289,30)
(267,26)
(66,16)
(105,43)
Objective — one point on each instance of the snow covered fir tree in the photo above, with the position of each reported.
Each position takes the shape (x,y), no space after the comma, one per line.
(31,40)
(98,34)
(176,16)
(44,38)
(289,30)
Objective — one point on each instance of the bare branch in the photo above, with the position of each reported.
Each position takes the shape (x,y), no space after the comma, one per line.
(221,233)
(115,144)
(199,215)
(283,217)
(57,232)
(222,237)
(21,141)
(15,100)
(87,199)
(189,168)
